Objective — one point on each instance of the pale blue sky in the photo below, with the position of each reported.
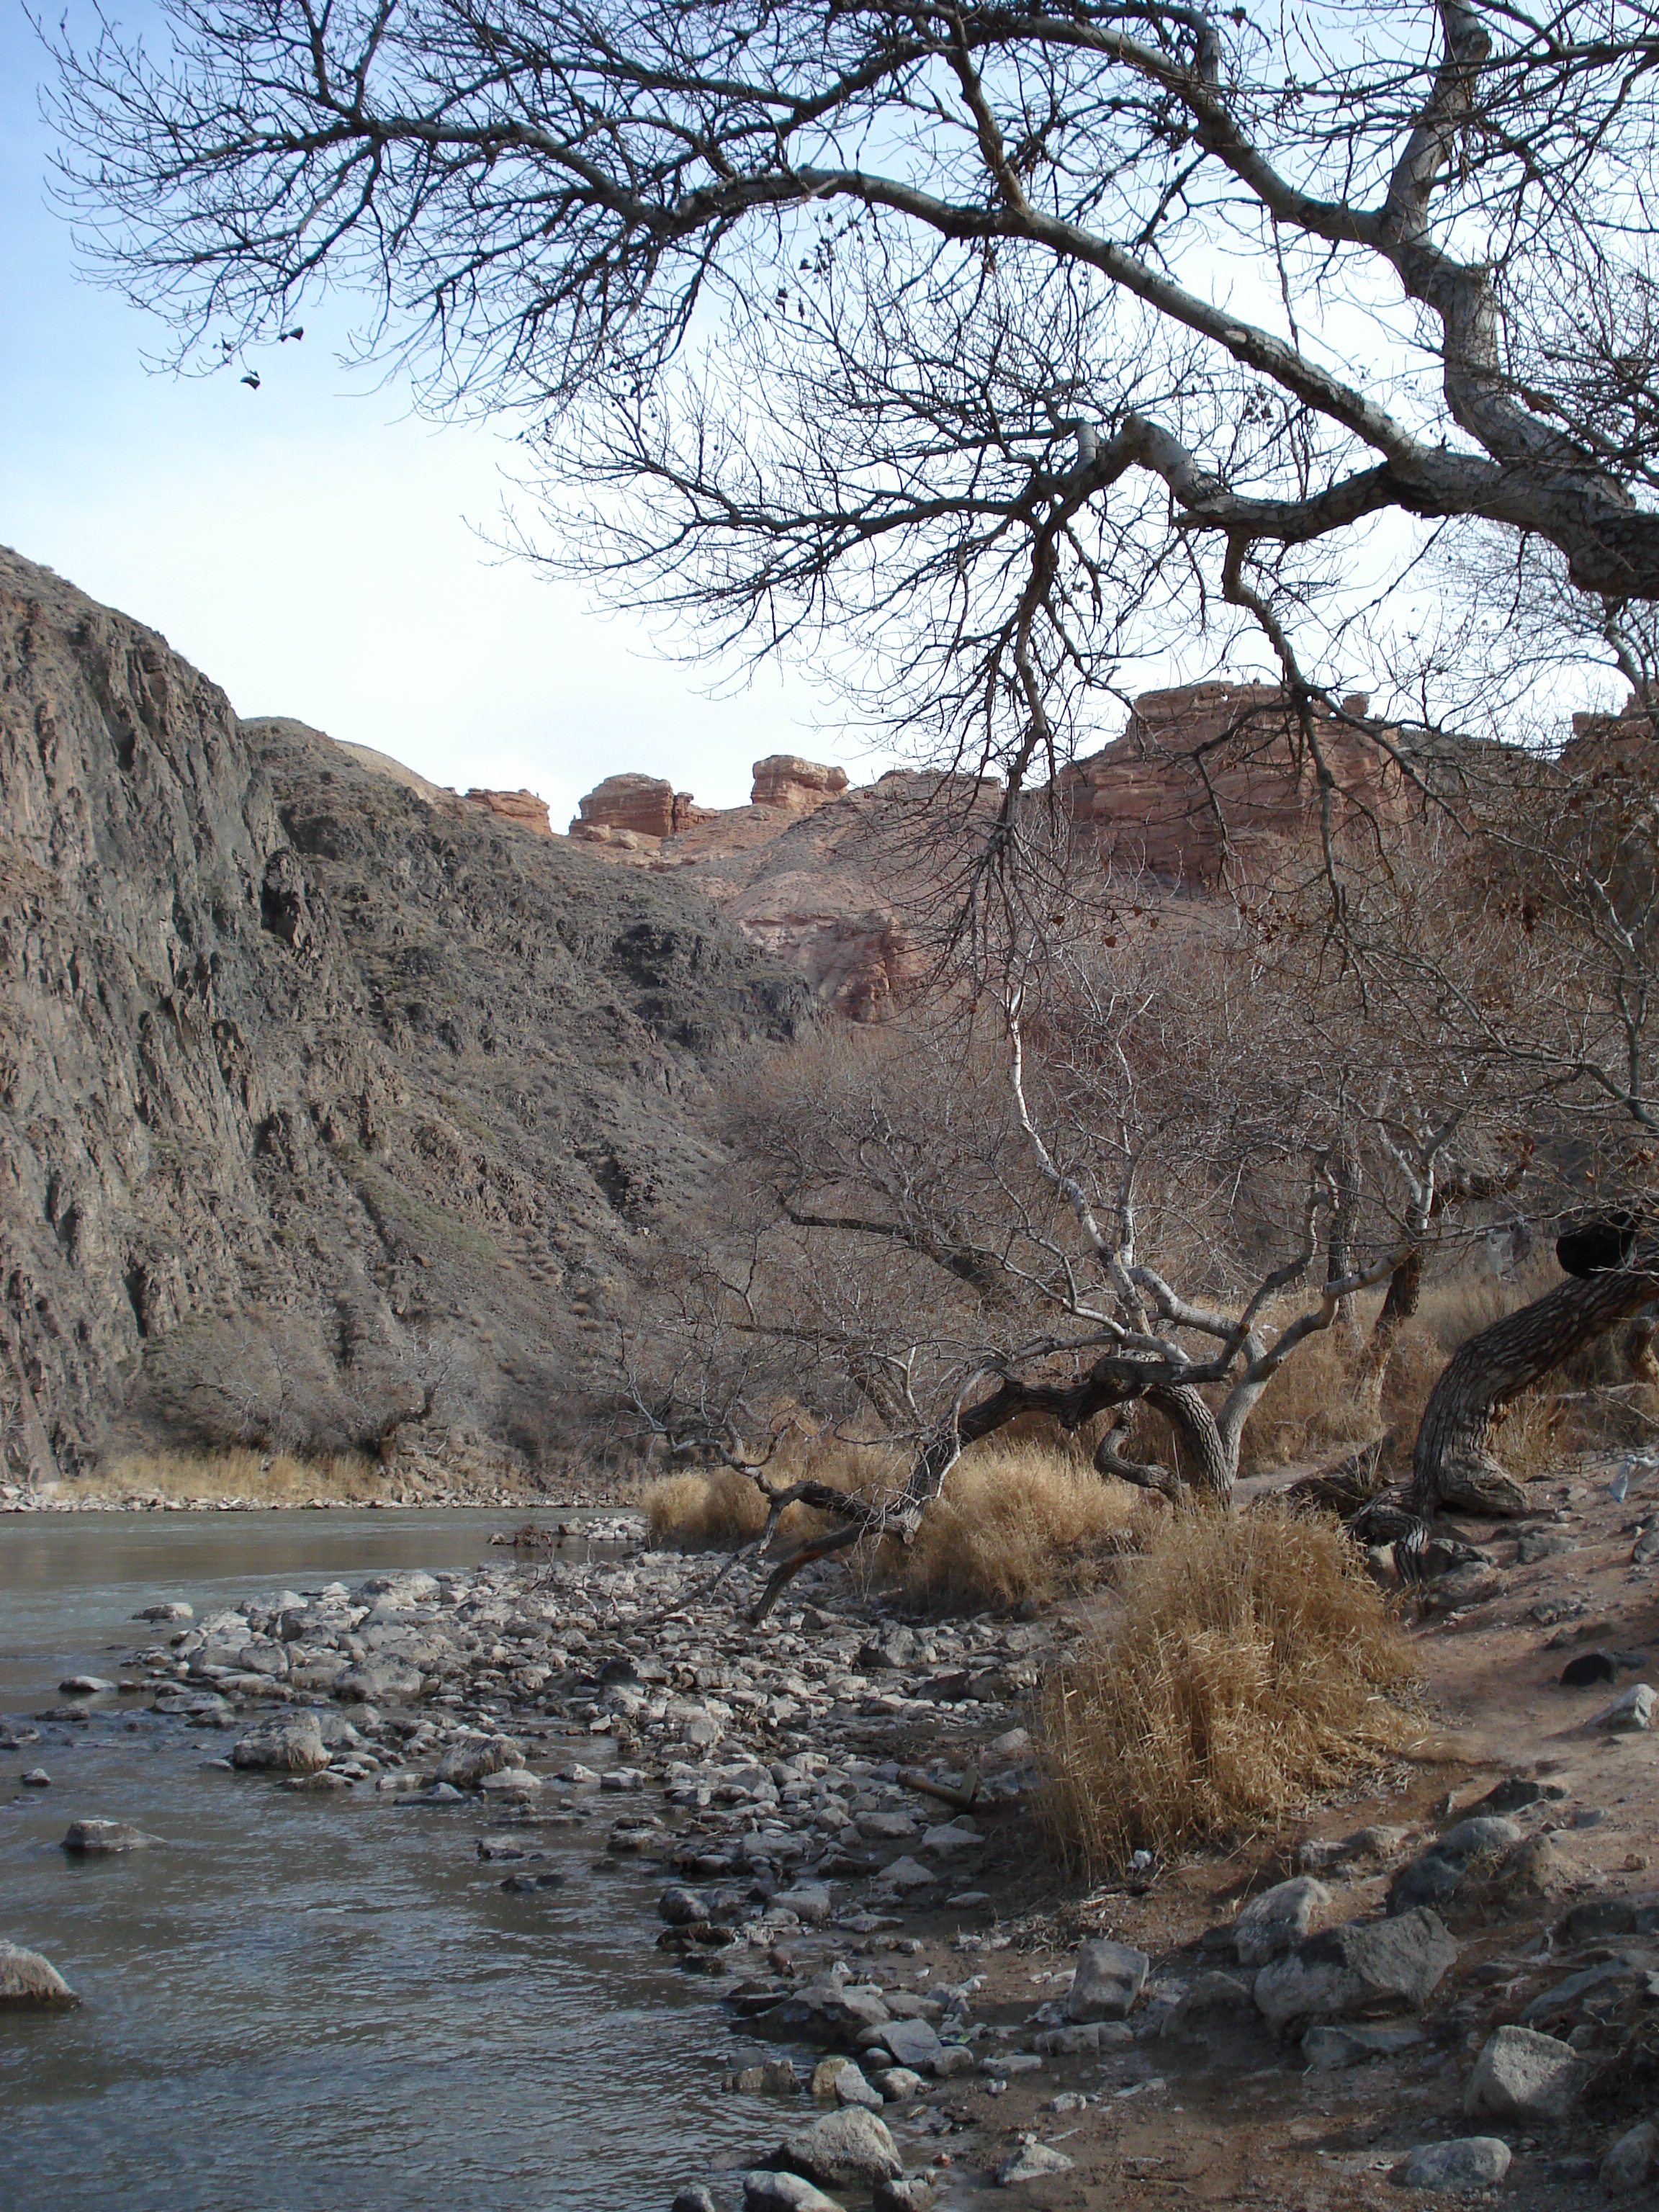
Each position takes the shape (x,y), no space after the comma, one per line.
(313,547)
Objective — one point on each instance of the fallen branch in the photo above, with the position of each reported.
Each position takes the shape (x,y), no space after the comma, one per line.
(961,1795)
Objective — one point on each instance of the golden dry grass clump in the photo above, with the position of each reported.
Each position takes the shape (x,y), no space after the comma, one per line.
(276,1478)
(1253,1662)
(1013,1523)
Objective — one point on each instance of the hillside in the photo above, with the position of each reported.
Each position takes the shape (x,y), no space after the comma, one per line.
(323,1102)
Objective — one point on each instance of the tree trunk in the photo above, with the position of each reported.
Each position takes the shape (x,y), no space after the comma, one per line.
(1454,1465)
(1405,1291)
(1346,1176)
(1209,1463)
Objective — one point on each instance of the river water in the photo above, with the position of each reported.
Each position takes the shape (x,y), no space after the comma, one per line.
(311,2000)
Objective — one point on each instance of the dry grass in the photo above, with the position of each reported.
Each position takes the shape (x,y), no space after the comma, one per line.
(270,1477)
(1015,1523)
(1253,1663)
(1313,1408)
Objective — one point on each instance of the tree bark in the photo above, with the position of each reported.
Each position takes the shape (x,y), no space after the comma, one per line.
(1454,1465)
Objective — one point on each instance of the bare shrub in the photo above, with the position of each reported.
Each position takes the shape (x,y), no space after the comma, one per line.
(1253,1662)
(1020,1522)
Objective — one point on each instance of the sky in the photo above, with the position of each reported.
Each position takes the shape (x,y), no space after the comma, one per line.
(319,551)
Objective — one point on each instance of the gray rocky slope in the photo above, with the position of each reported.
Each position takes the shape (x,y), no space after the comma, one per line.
(321,1106)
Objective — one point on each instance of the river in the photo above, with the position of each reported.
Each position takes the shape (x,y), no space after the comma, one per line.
(303,2001)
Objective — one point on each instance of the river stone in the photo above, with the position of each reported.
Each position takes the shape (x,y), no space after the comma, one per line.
(1468,2162)
(1210,1998)
(170,1609)
(26,1978)
(84,1685)
(773,2077)
(953,1835)
(1277,1921)
(912,2196)
(509,1782)
(469,1758)
(292,1745)
(96,1835)
(36,1778)
(764,2191)
(372,1679)
(681,1908)
(1631,1713)
(693,2200)
(908,1874)
(1109,1977)
(404,1586)
(885,1827)
(807,1900)
(911,2043)
(829,2012)
(850,2087)
(1626,2165)
(1523,2076)
(846,2150)
(1359,1969)
(1030,2163)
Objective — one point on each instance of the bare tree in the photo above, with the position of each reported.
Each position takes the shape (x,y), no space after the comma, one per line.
(997,348)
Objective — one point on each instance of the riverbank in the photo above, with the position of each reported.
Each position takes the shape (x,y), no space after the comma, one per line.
(838,1817)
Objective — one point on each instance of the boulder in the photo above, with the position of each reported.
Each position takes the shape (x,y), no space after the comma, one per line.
(850,2087)
(1429,1879)
(1468,2162)
(1523,2076)
(521,806)
(1629,2162)
(683,1908)
(1109,1978)
(808,1900)
(95,1837)
(26,1978)
(911,2043)
(1356,1972)
(291,1744)
(1278,1920)
(85,1686)
(1469,1838)
(1210,1998)
(846,2150)
(912,2196)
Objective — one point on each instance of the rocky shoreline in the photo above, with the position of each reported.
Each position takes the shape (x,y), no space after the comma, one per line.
(841,1805)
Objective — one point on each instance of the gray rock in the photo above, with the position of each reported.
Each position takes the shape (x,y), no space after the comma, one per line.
(911,2195)
(1030,2163)
(885,1827)
(375,1680)
(1278,1920)
(96,1836)
(808,1900)
(1331,2047)
(291,1744)
(26,1978)
(898,2085)
(911,2043)
(847,2149)
(852,2088)
(693,2200)
(765,2191)
(1373,1843)
(1626,2166)
(1429,1879)
(681,1908)
(908,1874)
(1109,1977)
(169,1609)
(1468,2162)
(1485,1832)
(507,1783)
(773,2077)
(84,1685)
(1356,1971)
(37,1778)
(1630,1713)
(1211,1997)
(468,1761)
(1523,2076)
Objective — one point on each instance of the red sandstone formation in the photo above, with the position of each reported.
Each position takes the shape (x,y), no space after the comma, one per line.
(1150,805)
(647,806)
(521,806)
(786,781)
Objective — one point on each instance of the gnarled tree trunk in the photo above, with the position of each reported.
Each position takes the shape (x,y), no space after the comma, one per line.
(1452,1464)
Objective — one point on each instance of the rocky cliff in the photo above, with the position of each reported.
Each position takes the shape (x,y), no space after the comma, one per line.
(330,1105)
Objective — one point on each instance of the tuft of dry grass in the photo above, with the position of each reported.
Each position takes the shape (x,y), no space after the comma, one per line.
(270,1478)
(1253,1662)
(1015,1521)
(707,1507)
(1313,1408)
